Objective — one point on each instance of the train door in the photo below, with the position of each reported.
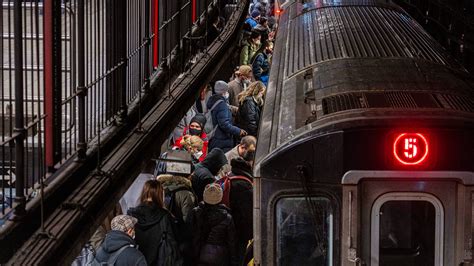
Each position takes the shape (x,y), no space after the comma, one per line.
(407,218)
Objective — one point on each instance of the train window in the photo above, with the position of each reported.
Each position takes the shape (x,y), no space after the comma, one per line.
(304,230)
(408,232)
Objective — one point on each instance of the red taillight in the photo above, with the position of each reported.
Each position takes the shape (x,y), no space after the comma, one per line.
(410,148)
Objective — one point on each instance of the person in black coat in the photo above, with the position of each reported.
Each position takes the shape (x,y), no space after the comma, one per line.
(214,231)
(120,236)
(207,170)
(155,223)
(250,105)
(241,203)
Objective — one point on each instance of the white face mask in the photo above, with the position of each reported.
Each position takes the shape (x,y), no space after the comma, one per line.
(246,82)
(197,155)
(226,95)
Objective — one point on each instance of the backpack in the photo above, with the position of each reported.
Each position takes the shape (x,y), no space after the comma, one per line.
(210,128)
(113,257)
(168,254)
(182,232)
(226,183)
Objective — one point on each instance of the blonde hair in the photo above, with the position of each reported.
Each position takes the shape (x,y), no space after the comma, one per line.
(253,89)
(190,141)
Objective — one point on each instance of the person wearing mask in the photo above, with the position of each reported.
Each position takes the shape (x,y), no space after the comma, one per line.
(261,64)
(196,128)
(250,106)
(119,248)
(263,29)
(247,145)
(241,203)
(243,77)
(250,48)
(214,231)
(155,233)
(206,171)
(224,131)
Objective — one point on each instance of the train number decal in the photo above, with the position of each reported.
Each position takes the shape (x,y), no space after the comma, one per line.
(410,148)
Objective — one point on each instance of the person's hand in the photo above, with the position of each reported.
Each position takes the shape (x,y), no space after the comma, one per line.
(243,133)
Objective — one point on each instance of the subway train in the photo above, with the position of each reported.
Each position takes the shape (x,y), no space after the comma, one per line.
(366,145)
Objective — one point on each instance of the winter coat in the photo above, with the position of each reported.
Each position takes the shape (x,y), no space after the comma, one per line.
(236,86)
(115,240)
(241,201)
(152,222)
(252,22)
(249,115)
(247,52)
(260,66)
(205,171)
(184,199)
(222,117)
(203,136)
(214,235)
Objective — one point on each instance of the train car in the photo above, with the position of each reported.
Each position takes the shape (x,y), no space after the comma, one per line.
(366,144)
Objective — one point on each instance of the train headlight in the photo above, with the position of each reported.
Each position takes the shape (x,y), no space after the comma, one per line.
(410,148)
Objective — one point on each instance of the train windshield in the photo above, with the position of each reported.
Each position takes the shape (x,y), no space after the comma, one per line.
(407,233)
(304,231)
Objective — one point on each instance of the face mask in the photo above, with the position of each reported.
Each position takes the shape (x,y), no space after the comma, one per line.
(246,82)
(195,132)
(226,95)
(197,155)
(248,156)
(257,42)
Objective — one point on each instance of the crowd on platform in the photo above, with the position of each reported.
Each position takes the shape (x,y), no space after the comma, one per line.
(199,213)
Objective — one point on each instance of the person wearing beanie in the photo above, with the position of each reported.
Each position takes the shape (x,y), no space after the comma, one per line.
(252,20)
(207,170)
(241,203)
(243,77)
(224,130)
(213,230)
(250,47)
(119,244)
(196,128)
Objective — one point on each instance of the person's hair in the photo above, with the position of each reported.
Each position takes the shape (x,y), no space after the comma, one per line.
(262,20)
(253,90)
(152,194)
(248,141)
(254,34)
(191,141)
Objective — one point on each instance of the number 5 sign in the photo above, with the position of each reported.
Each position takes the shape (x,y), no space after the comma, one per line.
(410,148)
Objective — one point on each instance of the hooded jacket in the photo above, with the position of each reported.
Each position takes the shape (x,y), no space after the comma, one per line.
(115,240)
(222,117)
(249,115)
(214,235)
(184,198)
(241,200)
(205,171)
(248,51)
(153,221)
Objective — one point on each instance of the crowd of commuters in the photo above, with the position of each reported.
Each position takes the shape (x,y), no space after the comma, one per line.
(204,216)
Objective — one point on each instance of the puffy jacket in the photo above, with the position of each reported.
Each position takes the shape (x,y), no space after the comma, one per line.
(153,221)
(203,136)
(251,22)
(260,66)
(222,117)
(247,52)
(184,198)
(249,115)
(241,201)
(214,235)
(205,171)
(115,240)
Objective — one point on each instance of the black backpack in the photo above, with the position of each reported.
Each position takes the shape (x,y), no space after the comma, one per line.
(168,252)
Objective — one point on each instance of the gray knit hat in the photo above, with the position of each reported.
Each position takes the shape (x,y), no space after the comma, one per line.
(220,87)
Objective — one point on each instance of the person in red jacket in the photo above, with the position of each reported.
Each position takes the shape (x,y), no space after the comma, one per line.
(196,128)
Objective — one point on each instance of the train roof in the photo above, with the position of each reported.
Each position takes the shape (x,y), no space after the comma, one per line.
(350,61)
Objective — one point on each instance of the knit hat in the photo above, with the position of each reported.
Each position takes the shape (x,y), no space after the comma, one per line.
(123,223)
(255,13)
(212,194)
(200,119)
(245,70)
(220,87)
